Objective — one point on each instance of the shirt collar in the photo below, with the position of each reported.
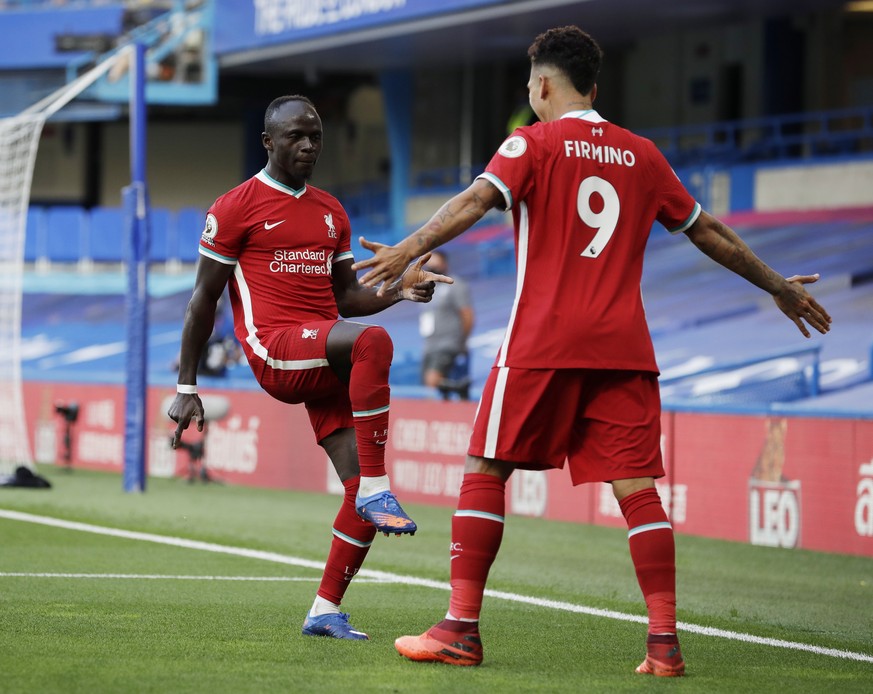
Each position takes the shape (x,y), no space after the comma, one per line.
(590,115)
(264,177)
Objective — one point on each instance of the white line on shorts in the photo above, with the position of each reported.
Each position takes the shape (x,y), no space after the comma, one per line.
(426,583)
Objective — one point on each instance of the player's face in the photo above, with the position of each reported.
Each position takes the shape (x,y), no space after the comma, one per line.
(294,143)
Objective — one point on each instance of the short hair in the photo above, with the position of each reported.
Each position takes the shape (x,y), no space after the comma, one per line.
(279,102)
(572,51)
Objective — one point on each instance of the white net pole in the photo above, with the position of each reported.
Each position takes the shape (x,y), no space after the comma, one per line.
(19,141)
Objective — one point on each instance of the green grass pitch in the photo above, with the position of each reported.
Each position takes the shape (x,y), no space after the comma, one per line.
(82,611)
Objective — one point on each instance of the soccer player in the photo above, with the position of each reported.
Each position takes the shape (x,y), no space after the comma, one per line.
(283,249)
(575,378)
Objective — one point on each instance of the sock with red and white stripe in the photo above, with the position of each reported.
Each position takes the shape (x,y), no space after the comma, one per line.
(477,530)
(653,552)
(352,537)
(369,394)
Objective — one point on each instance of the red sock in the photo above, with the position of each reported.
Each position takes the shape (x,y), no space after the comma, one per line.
(653,552)
(477,529)
(352,537)
(369,394)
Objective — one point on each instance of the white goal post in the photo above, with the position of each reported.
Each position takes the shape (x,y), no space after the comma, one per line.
(19,141)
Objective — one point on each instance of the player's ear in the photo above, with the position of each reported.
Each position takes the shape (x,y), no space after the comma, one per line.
(593,92)
(543,86)
(267,141)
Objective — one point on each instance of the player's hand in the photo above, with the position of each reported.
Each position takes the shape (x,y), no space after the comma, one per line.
(417,284)
(184,408)
(799,305)
(385,267)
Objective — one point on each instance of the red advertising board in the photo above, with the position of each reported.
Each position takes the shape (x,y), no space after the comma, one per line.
(793,482)
(258,441)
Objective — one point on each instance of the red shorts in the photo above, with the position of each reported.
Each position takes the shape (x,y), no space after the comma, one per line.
(607,424)
(295,370)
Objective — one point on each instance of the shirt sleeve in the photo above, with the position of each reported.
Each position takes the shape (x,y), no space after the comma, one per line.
(677,208)
(223,236)
(344,236)
(511,168)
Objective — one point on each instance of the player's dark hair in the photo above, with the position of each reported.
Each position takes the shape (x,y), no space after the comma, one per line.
(570,50)
(279,102)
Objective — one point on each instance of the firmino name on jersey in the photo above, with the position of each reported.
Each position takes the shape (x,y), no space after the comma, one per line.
(306,262)
(602,153)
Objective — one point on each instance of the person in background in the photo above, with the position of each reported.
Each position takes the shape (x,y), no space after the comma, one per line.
(575,379)
(282,247)
(445,324)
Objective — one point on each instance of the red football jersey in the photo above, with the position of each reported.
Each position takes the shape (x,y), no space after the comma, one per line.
(584,194)
(283,243)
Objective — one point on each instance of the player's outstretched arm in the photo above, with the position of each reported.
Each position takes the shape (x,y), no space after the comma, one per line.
(799,305)
(723,245)
(452,219)
(353,299)
(199,322)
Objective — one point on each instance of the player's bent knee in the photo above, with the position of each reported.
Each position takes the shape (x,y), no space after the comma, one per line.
(376,342)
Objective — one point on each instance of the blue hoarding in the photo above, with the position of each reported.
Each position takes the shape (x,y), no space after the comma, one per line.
(30,38)
(250,24)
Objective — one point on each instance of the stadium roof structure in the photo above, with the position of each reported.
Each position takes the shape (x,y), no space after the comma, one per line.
(373,35)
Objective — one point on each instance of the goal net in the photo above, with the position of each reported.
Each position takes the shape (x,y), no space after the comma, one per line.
(19,141)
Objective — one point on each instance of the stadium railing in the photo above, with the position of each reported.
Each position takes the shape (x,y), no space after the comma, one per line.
(791,136)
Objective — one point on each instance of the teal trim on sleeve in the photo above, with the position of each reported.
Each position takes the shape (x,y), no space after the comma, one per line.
(501,186)
(217,256)
(695,213)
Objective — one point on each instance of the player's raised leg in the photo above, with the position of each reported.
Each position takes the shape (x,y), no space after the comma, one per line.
(361,356)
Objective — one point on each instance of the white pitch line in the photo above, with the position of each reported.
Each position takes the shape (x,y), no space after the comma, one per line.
(168,577)
(426,583)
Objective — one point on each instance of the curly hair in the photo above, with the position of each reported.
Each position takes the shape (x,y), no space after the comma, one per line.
(276,104)
(570,50)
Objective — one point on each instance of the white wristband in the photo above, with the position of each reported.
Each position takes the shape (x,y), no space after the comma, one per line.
(186,390)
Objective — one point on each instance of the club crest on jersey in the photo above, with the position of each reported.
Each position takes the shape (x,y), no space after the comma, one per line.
(210,230)
(309,334)
(331,229)
(514,147)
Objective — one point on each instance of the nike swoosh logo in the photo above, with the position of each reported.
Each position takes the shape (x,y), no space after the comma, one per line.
(269,226)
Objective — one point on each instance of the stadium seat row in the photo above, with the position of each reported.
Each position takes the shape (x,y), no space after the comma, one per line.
(70,234)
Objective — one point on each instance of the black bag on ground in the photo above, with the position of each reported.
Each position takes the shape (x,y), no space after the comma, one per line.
(25,477)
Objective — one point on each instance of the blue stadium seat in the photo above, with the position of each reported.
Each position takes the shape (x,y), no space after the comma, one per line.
(35,247)
(107,238)
(67,234)
(188,227)
(160,249)
(496,257)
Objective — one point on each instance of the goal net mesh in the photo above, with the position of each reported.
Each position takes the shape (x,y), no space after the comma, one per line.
(19,142)
(19,138)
